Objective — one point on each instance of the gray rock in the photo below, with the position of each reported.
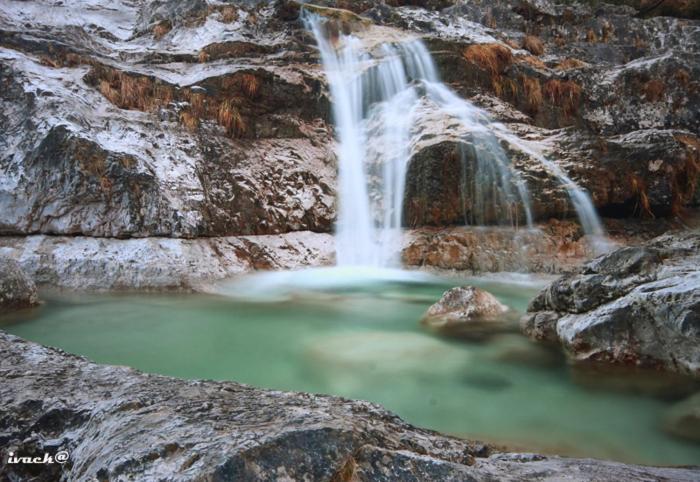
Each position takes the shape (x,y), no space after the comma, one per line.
(119,424)
(683,418)
(635,306)
(17,290)
(87,263)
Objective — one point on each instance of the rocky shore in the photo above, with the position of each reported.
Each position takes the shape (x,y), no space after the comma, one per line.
(636,306)
(117,424)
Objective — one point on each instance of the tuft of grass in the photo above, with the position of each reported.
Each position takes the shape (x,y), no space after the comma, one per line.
(162,28)
(250,85)
(493,58)
(653,90)
(643,207)
(203,56)
(565,94)
(230,118)
(533,45)
(532,89)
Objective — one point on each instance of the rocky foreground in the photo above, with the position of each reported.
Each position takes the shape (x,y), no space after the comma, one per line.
(119,424)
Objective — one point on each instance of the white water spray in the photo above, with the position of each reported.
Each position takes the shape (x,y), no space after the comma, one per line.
(374,102)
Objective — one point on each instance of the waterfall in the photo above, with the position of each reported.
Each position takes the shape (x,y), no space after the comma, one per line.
(375,94)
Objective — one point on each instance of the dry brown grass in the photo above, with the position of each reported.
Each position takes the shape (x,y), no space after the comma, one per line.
(493,58)
(229,14)
(532,90)
(653,90)
(591,36)
(229,117)
(189,120)
(224,105)
(504,87)
(570,64)
(533,45)
(162,28)
(565,94)
(203,56)
(250,85)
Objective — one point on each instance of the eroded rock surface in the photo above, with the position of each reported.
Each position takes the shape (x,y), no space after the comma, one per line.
(638,305)
(118,423)
(161,263)
(17,290)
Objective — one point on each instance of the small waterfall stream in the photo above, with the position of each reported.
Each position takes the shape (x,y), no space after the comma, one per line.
(376,92)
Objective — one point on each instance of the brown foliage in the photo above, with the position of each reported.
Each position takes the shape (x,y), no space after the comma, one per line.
(230,118)
(686,179)
(189,120)
(643,208)
(532,61)
(565,94)
(533,45)
(533,93)
(203,56)
(493,58)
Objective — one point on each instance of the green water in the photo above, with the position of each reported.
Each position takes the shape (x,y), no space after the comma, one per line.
(365,342)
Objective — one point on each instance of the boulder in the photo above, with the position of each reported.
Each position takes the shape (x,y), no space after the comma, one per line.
(468,312)
(17,290)
(636,306)
(116,423)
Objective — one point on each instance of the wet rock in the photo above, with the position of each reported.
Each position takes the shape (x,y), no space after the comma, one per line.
(467,311)
(636,306)
(464,304)
(683,419)
(17,290)
(553,248)
(194,429)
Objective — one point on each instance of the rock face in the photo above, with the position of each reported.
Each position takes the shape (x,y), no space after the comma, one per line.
(161,263)
(464,304)
(118,423)
(16,289)
(634,306)
(175,119)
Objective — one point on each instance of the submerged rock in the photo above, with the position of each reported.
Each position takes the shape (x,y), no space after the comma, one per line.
(17,290)
(118,423)
(683,419)
(635,306)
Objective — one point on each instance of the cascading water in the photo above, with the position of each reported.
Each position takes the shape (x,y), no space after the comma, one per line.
(375,96)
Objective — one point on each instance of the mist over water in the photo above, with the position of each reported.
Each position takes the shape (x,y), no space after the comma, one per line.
(375,94)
